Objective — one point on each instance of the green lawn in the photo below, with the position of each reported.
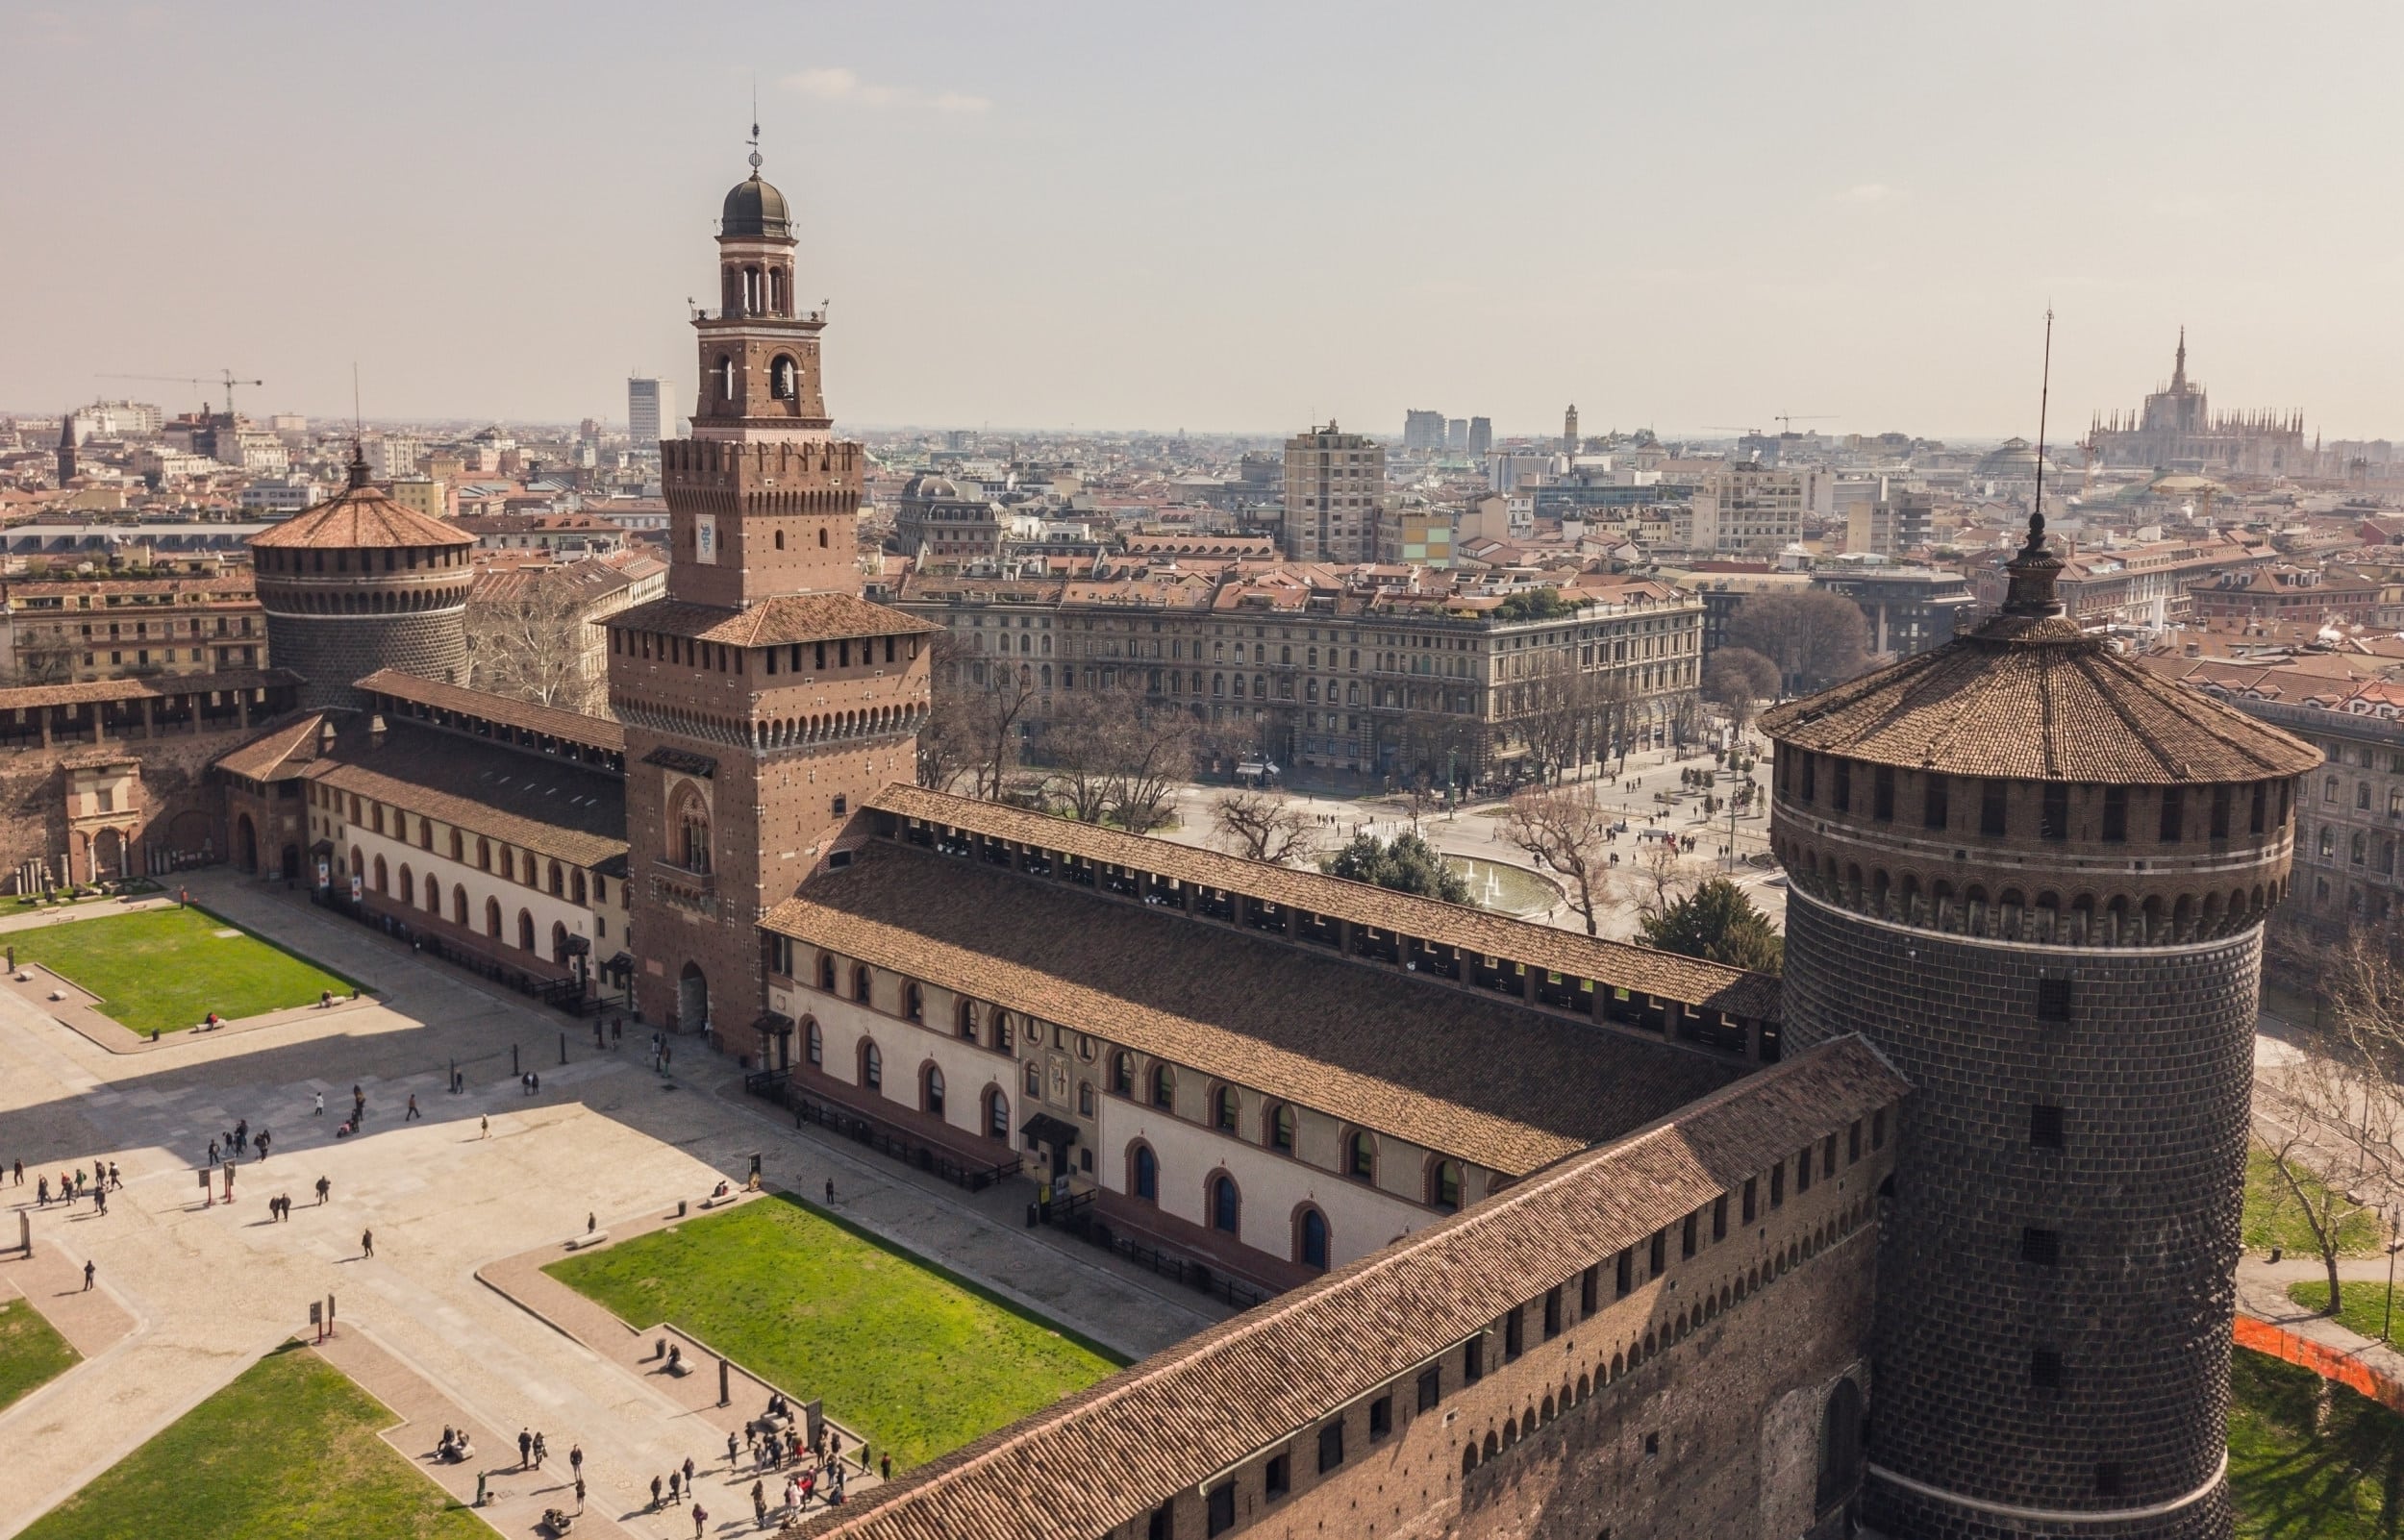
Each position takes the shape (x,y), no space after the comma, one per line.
(2342,1482)
(2272,1217)
(164,970)
(32,1352)
(920,1362)
(287,1452)
(2360,1304)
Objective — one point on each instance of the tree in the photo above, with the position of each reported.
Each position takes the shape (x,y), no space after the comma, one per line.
(2331,1114)
(1737,679)
(530,637)
(1659,875)
(1113,756)
(1719,924)
(1081,743)
(1156,754)
(1408,864)
(980,709)
(948,742)
(1570,833)
(1815,638)
(1263,825)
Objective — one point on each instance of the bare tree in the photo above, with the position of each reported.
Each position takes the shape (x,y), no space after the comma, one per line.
(1658,874)
(530,637)
(1556,711)
(980,708)
(1569,831)
(1081,746)
(1737,679)
(1815,638)
(1156,754)
(1263,825)
(2331,1115)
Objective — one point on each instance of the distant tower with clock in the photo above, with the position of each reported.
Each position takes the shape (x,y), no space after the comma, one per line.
(763,698)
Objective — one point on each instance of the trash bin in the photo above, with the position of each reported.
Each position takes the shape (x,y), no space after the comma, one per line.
(1032,1215)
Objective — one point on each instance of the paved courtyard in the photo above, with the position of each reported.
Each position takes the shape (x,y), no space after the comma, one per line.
(207,1289)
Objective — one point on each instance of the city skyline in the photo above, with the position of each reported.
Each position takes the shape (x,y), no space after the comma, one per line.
(1105,222)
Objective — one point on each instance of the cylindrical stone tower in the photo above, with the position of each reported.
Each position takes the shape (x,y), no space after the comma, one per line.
(2035,877)
(360,582)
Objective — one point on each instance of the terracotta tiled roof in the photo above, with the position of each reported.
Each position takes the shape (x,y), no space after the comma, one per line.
(263,756)
(359,518)
(551,808)
(1108,1454)
(772,622)
(158,686)
(1477,1076)
(544,721)
(1627,967)
(2029,699)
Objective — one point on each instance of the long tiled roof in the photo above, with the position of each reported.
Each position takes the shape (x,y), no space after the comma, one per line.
(2033,698)
(359,518)
(156,687)
(263,756)
(1095,1461)
(551,808)
(1493,1082)
(546,721)
(1613,963)
(772,622)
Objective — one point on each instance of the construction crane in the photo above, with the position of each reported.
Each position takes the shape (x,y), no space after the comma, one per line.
(1790,418)
(225,379)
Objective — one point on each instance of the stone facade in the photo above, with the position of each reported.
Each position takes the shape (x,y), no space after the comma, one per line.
(331,651)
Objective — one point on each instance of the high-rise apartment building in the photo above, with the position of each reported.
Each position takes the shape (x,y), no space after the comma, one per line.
(1457,436)
(1422,430)
(1481,436)
(1335,483)
(1748,510)
(650,411)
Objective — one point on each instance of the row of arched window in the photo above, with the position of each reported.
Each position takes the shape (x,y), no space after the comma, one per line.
(521,866)
(2113,920)
(409,892)
(1311,1241)
(932,1090)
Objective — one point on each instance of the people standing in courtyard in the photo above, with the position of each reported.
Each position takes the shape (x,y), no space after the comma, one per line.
(675,1487)
(689,1486)
(42,1192)
(542,1450)
(212,1151)
(413,1111)
(322,1105)
(655,1494)
(700,1517)
(525,1450)
(580,1494)
(486,1124)
(367,1243)
(87,1276)
(576,1460)
(760,1503)
(323,1188)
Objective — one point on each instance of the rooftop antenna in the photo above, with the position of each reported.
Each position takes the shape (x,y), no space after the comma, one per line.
(2044,392)
(359,435)
(755,124)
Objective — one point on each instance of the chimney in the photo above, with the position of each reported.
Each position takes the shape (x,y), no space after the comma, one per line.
(375,730)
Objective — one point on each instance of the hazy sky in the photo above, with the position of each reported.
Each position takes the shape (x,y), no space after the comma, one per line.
(1221,216)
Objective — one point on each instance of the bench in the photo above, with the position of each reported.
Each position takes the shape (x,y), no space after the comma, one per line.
(590,1237)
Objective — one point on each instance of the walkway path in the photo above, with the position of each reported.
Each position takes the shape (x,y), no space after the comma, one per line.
(211,1288)
(2314,1340)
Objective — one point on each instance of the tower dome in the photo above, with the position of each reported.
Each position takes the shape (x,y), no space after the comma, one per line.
(2034,876)
(362,583)
(755,208)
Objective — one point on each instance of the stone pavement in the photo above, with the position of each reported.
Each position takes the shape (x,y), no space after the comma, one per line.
(2261,1293)
(211,1288)
(91,1320)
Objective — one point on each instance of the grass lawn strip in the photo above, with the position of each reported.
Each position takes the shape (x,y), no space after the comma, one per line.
(2272,1217)
(918,1360)
(32,1352)
(287,1452)
(2362,1304)
(164,970)
(2290,1481)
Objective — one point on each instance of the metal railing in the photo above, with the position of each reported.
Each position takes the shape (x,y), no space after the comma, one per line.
(777,1085)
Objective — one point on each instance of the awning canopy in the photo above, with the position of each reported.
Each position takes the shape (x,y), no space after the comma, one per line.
(773,1023)
(1046,1128)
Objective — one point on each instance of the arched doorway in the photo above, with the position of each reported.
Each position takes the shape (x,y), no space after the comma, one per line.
(245,845)
(1839,1447)
(559,942)
(107,855)
(693,1000)
(291,864)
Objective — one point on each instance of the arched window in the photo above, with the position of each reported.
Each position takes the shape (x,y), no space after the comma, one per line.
(525,932)
(930,1091)
(1005,1032)
(1359,1156)
(1034,1078)
(1144,1173)
(1226,1206)
(1280,1121)
(726,379)
(1164,1087)
(458,845)
(780,545)
(1224,1108)
(576,888)
(381,877)
(459,906)
(997,1115)
(812,1042)
(1443,1187)
(558,880)
(359,864)
(484,853)
(492,918)
(408,883)
(1085,1099)
(871,1067)
(693,831)
(1123,1073)
(784,379)
(1309,1246)
(822,539)
(965,1020)
(860,983)
(915,1004)
(1840,1446)
(826,972)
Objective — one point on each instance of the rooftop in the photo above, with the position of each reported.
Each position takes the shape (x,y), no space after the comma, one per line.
(544,721)
(552,807)
(359,517)
(772,622)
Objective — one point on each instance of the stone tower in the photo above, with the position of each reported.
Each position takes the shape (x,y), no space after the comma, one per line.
(763,698)
(2035,877)
(360,582)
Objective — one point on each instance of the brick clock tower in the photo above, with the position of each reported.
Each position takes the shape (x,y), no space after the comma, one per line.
(2034,876)
(763,698)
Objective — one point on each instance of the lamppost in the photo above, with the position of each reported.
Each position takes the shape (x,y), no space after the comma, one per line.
(2387,1318)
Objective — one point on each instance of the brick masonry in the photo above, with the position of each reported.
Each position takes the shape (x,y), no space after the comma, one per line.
(331,651)
(2153,1074)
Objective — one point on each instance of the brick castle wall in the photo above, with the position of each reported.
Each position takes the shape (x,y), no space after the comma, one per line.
(2153,1072)
(331,651)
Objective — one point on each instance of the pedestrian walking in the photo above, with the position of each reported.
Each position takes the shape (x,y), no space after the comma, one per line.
(655,1494)
(525,1449)
(322,1105)
(576,1460)
(675,1487)
(486,1122)
(580,1494)
(830,1189)
(323,1188)
(212,1151)
(760,1503)
(87,1276)
(114,1181)
(749,1437)
(689,1472)
(367,1243)
(413,1111)
(258,1141)
(700,1517)
(20,1173)
(42,1192)
(542,1451)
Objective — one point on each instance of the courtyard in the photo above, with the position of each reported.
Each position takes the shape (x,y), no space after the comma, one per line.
(165,969)
(918,1360)
(32,1351)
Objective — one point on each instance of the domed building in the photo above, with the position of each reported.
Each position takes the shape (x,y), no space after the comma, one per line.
(362,583)
(2035,877)
(945,523)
